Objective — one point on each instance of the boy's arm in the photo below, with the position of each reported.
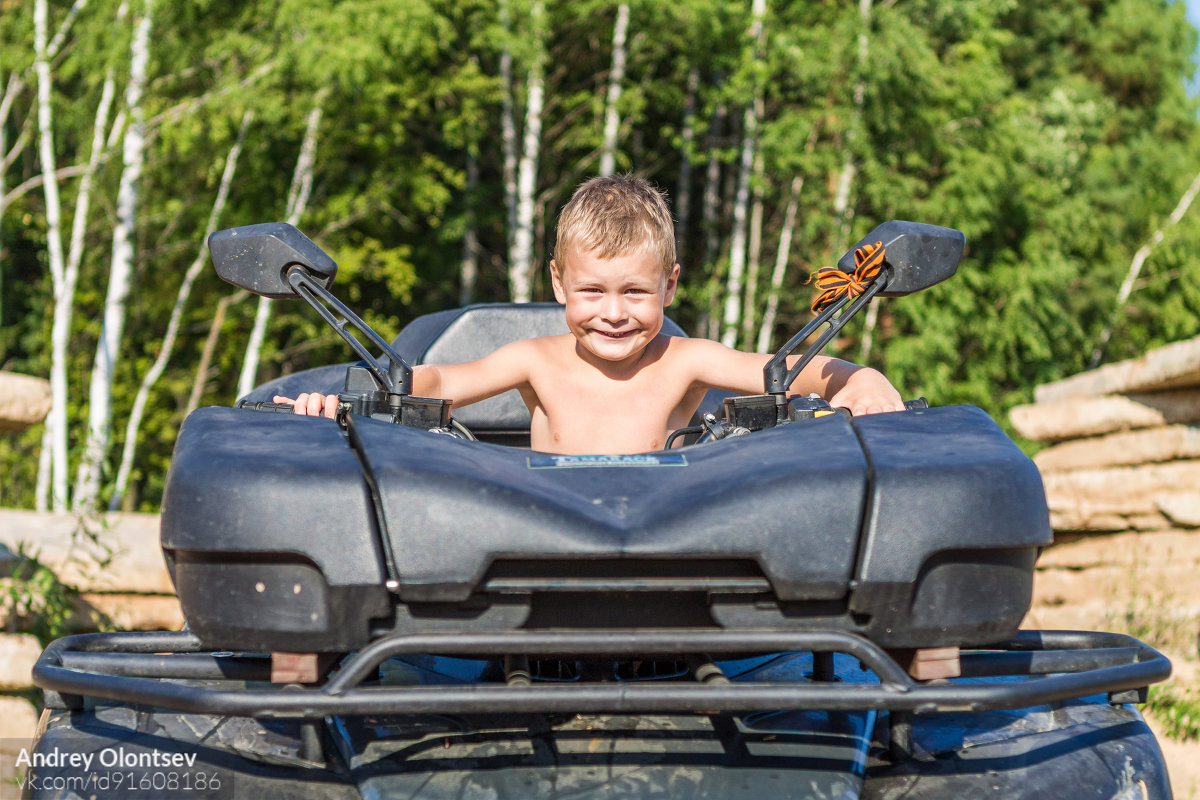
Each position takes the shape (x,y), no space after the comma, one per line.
(861,389)
(505,368)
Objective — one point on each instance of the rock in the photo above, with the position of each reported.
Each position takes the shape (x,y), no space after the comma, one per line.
(18,653)
(1182,508)
(1150,445)
(24,400)
(137,611)
(1092,416)
(18,720)
(1116,484)
(1118,498)
(1173,366)
(73,549)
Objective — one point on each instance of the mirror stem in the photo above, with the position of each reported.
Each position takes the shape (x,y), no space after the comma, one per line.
(397,380)
(777,378)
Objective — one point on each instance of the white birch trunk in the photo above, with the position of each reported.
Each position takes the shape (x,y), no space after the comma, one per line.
(508,131)
(520,262)
(616,76)
(850,172)
(297,203)
(731,318)
(1135,267)
(87,483)
(781,261)
(56,419)
(683,195)
(843,213)
(754,249)
(468,269)
(65,298)
(185,289)
(5,106)
(709,218)
(52,459)
(210,346)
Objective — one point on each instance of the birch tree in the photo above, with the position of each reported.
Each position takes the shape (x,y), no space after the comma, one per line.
(297,203)
(108,348)
(843,211)
(1135,268)
(781,260)
(53,466)
(468,270)
(754,246)
(731,318)
(185,289)
(508,127)
(520,260)
(683,195)
(616,76)
(710,215)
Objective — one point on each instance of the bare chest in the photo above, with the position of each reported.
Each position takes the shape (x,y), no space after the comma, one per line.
(586,414)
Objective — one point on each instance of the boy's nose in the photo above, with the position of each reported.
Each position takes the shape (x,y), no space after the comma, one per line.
(614,308)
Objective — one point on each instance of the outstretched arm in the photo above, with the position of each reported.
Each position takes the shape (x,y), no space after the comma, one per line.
(505,368)
(861,389)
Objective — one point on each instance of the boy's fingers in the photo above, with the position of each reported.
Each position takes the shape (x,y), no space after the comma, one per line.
(311,404)
(315,406)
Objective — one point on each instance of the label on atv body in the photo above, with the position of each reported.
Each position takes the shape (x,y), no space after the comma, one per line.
(547,461)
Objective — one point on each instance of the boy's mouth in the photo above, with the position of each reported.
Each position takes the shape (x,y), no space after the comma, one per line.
(614,334)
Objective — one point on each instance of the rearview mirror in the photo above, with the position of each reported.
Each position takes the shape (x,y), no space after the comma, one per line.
(916,255)
(257,258)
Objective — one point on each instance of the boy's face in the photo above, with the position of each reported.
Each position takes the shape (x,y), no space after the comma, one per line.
(614,306)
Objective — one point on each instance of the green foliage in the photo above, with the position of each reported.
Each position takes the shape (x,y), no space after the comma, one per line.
(1057,135)
(1177,710)
(35,601)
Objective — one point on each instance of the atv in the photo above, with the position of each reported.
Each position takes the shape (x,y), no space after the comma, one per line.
(787,601)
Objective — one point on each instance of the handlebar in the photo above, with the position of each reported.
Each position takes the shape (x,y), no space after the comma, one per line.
(277,408)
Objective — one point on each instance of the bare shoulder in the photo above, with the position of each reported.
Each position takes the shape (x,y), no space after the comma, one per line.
(543,352)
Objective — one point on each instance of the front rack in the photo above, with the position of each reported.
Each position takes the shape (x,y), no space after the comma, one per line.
(161,669)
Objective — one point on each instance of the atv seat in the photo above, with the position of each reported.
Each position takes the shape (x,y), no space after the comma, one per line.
(464,334)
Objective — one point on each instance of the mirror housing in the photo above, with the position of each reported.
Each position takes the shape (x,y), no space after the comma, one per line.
(257,258)
(916,255)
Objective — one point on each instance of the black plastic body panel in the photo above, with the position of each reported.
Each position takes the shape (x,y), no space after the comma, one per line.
(917,529)
(955,519)
(748,498)
(269,533)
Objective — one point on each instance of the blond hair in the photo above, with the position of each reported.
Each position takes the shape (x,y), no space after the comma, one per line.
(614,216)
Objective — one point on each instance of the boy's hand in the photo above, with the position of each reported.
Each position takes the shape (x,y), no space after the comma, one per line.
(311,404)
(867,391)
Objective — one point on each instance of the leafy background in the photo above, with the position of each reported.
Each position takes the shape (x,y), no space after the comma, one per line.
(1059,136)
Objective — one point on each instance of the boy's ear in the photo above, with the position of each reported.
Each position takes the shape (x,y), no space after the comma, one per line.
(560,294)
(672,283)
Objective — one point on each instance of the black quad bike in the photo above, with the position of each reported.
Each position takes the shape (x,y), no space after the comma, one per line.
(399,603)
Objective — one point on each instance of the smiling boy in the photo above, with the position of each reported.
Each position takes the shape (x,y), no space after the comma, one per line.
(615,384)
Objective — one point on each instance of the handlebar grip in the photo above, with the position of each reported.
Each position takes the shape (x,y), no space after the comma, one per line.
(277,408)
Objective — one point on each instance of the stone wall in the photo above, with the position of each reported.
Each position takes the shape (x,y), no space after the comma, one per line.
(1124,441)
(114,563)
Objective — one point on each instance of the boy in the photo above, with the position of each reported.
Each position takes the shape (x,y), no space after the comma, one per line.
(614,271)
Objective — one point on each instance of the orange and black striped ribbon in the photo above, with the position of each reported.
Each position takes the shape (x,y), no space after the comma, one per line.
(835,284)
